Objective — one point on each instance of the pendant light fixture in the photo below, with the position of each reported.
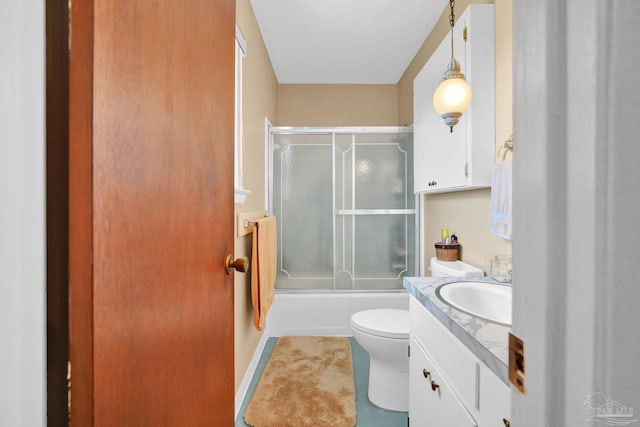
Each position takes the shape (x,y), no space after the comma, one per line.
(453,95)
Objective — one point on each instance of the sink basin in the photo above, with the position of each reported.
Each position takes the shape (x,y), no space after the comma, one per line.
(486,300)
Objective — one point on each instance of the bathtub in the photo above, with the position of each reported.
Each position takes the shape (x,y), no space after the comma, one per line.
(325,313)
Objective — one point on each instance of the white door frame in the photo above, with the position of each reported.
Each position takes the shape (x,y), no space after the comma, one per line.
(23,270)
(576,207)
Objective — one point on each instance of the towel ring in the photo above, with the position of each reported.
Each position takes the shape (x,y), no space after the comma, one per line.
(506,147)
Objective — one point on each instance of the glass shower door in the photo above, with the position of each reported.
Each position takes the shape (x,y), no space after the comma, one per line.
(302,203)
(345,209)
(375,216)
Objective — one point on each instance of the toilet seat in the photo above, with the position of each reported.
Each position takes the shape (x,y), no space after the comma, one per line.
(384,322)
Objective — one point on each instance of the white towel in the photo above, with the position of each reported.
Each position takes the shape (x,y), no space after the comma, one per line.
(501,200)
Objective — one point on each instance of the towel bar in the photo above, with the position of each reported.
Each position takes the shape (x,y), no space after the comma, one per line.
(246,220)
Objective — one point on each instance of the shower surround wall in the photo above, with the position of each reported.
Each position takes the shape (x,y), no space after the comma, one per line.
(344,202)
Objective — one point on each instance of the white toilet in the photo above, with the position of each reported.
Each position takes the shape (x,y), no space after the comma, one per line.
(384,333)
(453,269)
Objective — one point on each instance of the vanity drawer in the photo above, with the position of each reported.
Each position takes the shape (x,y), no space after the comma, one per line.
(457,363)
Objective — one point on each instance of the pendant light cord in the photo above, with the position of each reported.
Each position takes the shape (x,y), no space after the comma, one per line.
(452,4)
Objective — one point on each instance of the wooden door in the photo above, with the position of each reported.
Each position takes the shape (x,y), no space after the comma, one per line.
(151,212)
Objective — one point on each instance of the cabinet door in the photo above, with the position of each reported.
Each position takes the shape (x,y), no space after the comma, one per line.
(428,407)
(440,156)
(495,399)
(463,159)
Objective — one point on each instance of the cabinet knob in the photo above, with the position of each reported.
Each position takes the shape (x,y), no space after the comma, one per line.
(506,422)
(434,385)
(426,373)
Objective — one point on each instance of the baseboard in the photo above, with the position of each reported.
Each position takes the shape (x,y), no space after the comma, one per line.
(248,375)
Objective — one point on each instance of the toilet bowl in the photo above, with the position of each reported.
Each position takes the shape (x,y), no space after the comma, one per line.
(384,334)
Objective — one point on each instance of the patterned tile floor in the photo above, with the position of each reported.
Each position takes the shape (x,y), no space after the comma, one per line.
(368,414)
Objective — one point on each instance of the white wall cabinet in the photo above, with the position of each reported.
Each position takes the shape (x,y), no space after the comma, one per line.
(462,159)
(468,392)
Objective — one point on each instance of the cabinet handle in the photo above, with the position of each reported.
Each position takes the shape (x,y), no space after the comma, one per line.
(434,385)
(506,422)
(426,373)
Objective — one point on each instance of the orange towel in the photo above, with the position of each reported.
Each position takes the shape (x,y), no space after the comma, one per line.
(263,269)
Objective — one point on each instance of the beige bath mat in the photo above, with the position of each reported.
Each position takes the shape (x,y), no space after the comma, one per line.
(308,382)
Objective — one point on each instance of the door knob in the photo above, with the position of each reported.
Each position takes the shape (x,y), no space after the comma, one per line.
(239,264)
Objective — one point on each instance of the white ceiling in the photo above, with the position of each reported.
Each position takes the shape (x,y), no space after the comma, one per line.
(344,41)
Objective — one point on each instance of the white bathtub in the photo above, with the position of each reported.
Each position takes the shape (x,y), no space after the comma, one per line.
(325,313)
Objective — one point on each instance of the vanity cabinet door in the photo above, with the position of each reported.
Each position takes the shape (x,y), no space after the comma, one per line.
(495,399)
(429,407)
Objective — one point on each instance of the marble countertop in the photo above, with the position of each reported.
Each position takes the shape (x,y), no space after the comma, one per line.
(489,341)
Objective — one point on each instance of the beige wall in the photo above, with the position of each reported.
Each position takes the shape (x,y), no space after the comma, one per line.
(260,100)
(467,212)
(467,215)
(504,73)
(337,105)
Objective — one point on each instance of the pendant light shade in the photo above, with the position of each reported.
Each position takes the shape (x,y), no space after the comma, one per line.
(453,95)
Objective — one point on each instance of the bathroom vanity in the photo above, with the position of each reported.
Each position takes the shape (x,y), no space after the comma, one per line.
(458,369)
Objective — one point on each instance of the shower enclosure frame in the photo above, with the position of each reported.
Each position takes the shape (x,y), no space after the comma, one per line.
(332,132)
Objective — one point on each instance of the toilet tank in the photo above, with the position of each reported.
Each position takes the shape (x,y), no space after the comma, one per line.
(453,269)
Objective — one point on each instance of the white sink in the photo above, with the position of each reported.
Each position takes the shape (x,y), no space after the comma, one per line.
(486,300)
